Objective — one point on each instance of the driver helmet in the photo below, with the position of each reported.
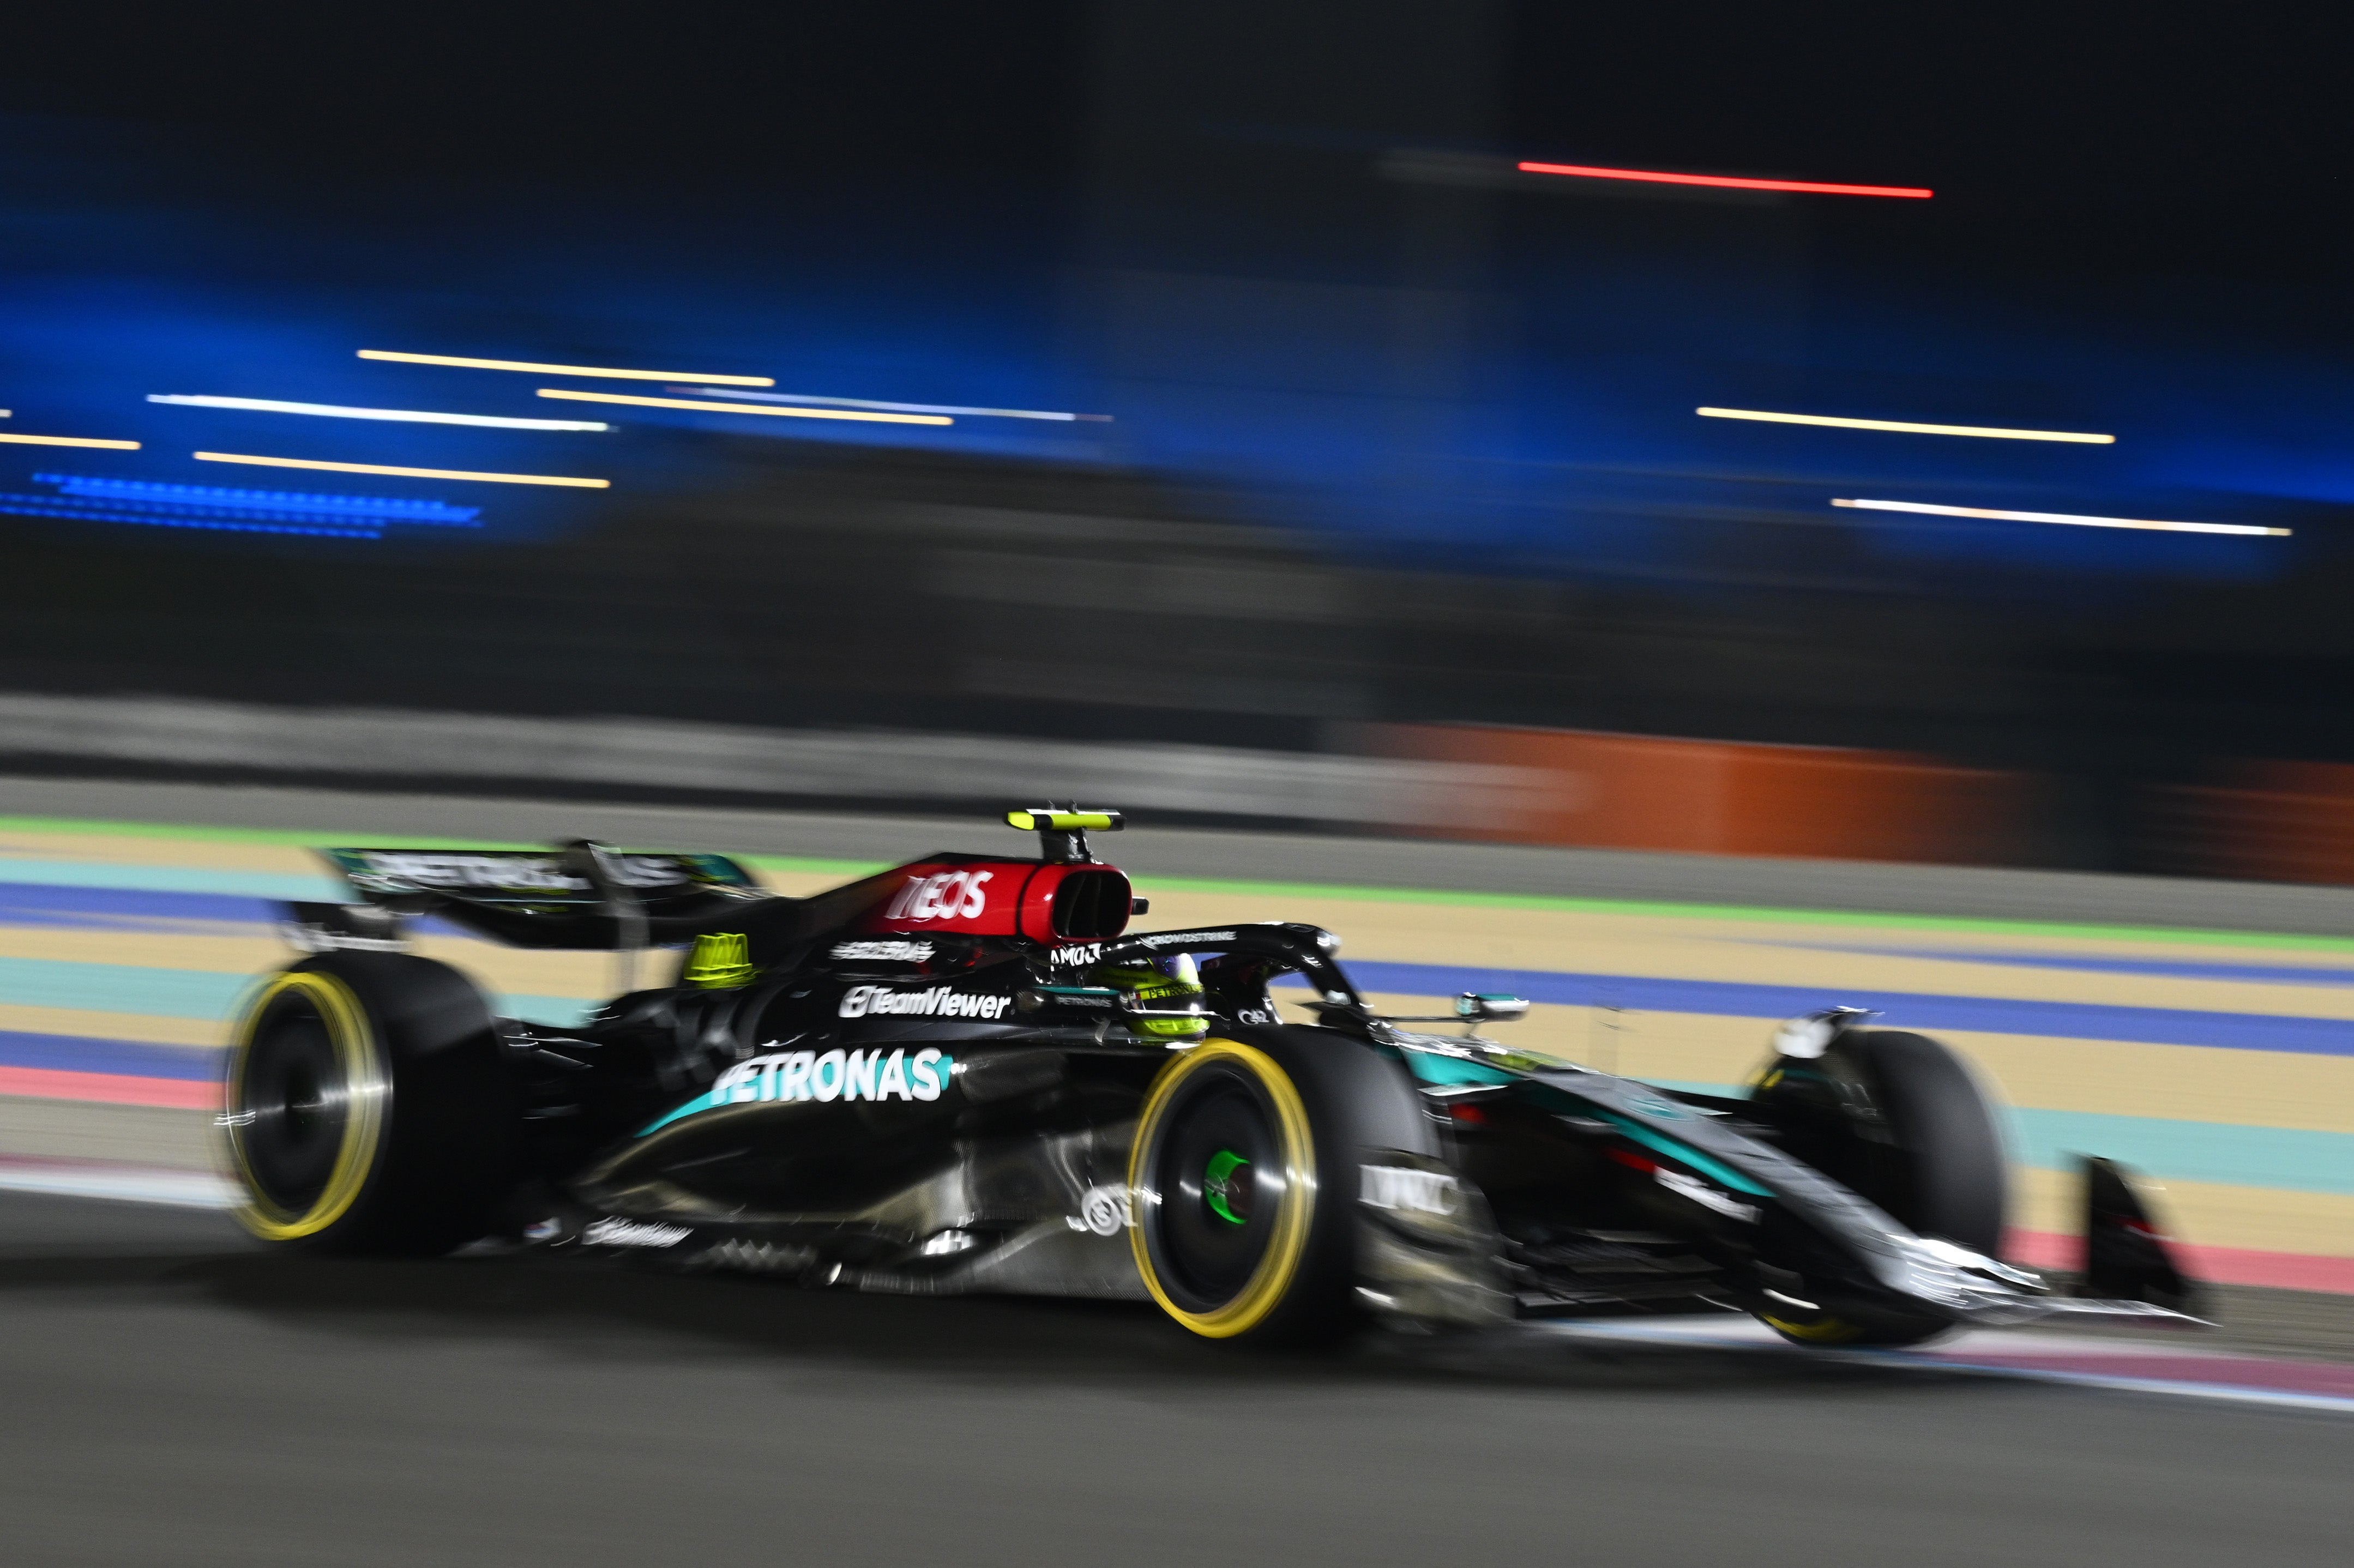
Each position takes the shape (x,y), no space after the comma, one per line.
(1158,985)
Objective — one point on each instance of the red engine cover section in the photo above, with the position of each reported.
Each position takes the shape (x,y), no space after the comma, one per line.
(981,897)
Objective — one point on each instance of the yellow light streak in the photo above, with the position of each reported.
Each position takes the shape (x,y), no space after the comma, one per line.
(857,414)
(71,441)
(404,472)
(2070,518)
(1907,427)
(462,362)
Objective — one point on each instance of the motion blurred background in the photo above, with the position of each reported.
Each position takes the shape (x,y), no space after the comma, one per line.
(1289,454)
(796,431)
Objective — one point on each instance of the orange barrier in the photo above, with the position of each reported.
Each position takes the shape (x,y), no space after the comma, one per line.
(1623,791)
(2274,821)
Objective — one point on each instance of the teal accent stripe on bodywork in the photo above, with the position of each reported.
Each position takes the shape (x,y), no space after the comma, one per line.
(701,1102)
(1716,1170)
(1433,1068)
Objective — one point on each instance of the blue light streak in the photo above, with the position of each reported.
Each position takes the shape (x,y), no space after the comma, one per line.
(260,503)
(62,507)
(895,408)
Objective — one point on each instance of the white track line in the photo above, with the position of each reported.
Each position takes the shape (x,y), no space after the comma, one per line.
(127,1183)
(1729,1333)
(204,1190)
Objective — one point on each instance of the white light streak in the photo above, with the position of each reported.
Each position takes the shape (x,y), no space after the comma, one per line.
(462,362)
(902,407)
(2069,518)
(406,416)
(403,472)
(1907,427)
(570,395)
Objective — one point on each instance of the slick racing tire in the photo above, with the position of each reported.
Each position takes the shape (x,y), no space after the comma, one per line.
(1953,1181)
(1856,1330)
(1243,1180)
(1900,1120)
(365,1111)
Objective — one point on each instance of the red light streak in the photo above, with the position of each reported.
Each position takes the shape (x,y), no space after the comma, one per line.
(1730,182)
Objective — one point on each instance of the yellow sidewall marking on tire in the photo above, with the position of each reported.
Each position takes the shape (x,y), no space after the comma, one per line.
(1273,1279)
(367,1090)
(1821,1331)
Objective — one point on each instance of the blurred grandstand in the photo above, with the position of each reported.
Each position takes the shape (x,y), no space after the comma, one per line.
(1295,453)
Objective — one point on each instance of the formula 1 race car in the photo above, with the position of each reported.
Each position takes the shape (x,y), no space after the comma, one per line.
(966,1074)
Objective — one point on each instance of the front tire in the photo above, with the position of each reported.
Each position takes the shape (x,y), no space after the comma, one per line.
(364,1109)
(1244,1180)
(1856,1330)
(1899,1120)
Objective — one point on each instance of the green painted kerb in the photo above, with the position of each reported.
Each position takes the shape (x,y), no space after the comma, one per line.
(849,869)
(1748,912)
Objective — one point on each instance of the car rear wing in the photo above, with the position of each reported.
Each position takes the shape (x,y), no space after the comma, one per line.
(557,877)
(577,896)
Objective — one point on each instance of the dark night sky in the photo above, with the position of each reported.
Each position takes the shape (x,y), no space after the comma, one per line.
(2126,158)
(2067,142)
(573,100)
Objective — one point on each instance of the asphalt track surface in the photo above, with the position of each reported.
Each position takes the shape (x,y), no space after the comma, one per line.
(175,1397)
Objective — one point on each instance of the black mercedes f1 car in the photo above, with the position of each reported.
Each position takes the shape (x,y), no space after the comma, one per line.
(968,1074)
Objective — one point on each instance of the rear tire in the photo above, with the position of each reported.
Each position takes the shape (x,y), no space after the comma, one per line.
(1244,1180)
(366,1112)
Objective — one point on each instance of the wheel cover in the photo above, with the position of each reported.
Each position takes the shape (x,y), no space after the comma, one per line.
(307,1093)
(1228,1184)
(1223,1175)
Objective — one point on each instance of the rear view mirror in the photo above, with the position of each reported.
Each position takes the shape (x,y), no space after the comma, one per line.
(1489,1007)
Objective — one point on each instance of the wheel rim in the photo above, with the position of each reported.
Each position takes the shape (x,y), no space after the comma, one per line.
(1223,1177)
(305,1106)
